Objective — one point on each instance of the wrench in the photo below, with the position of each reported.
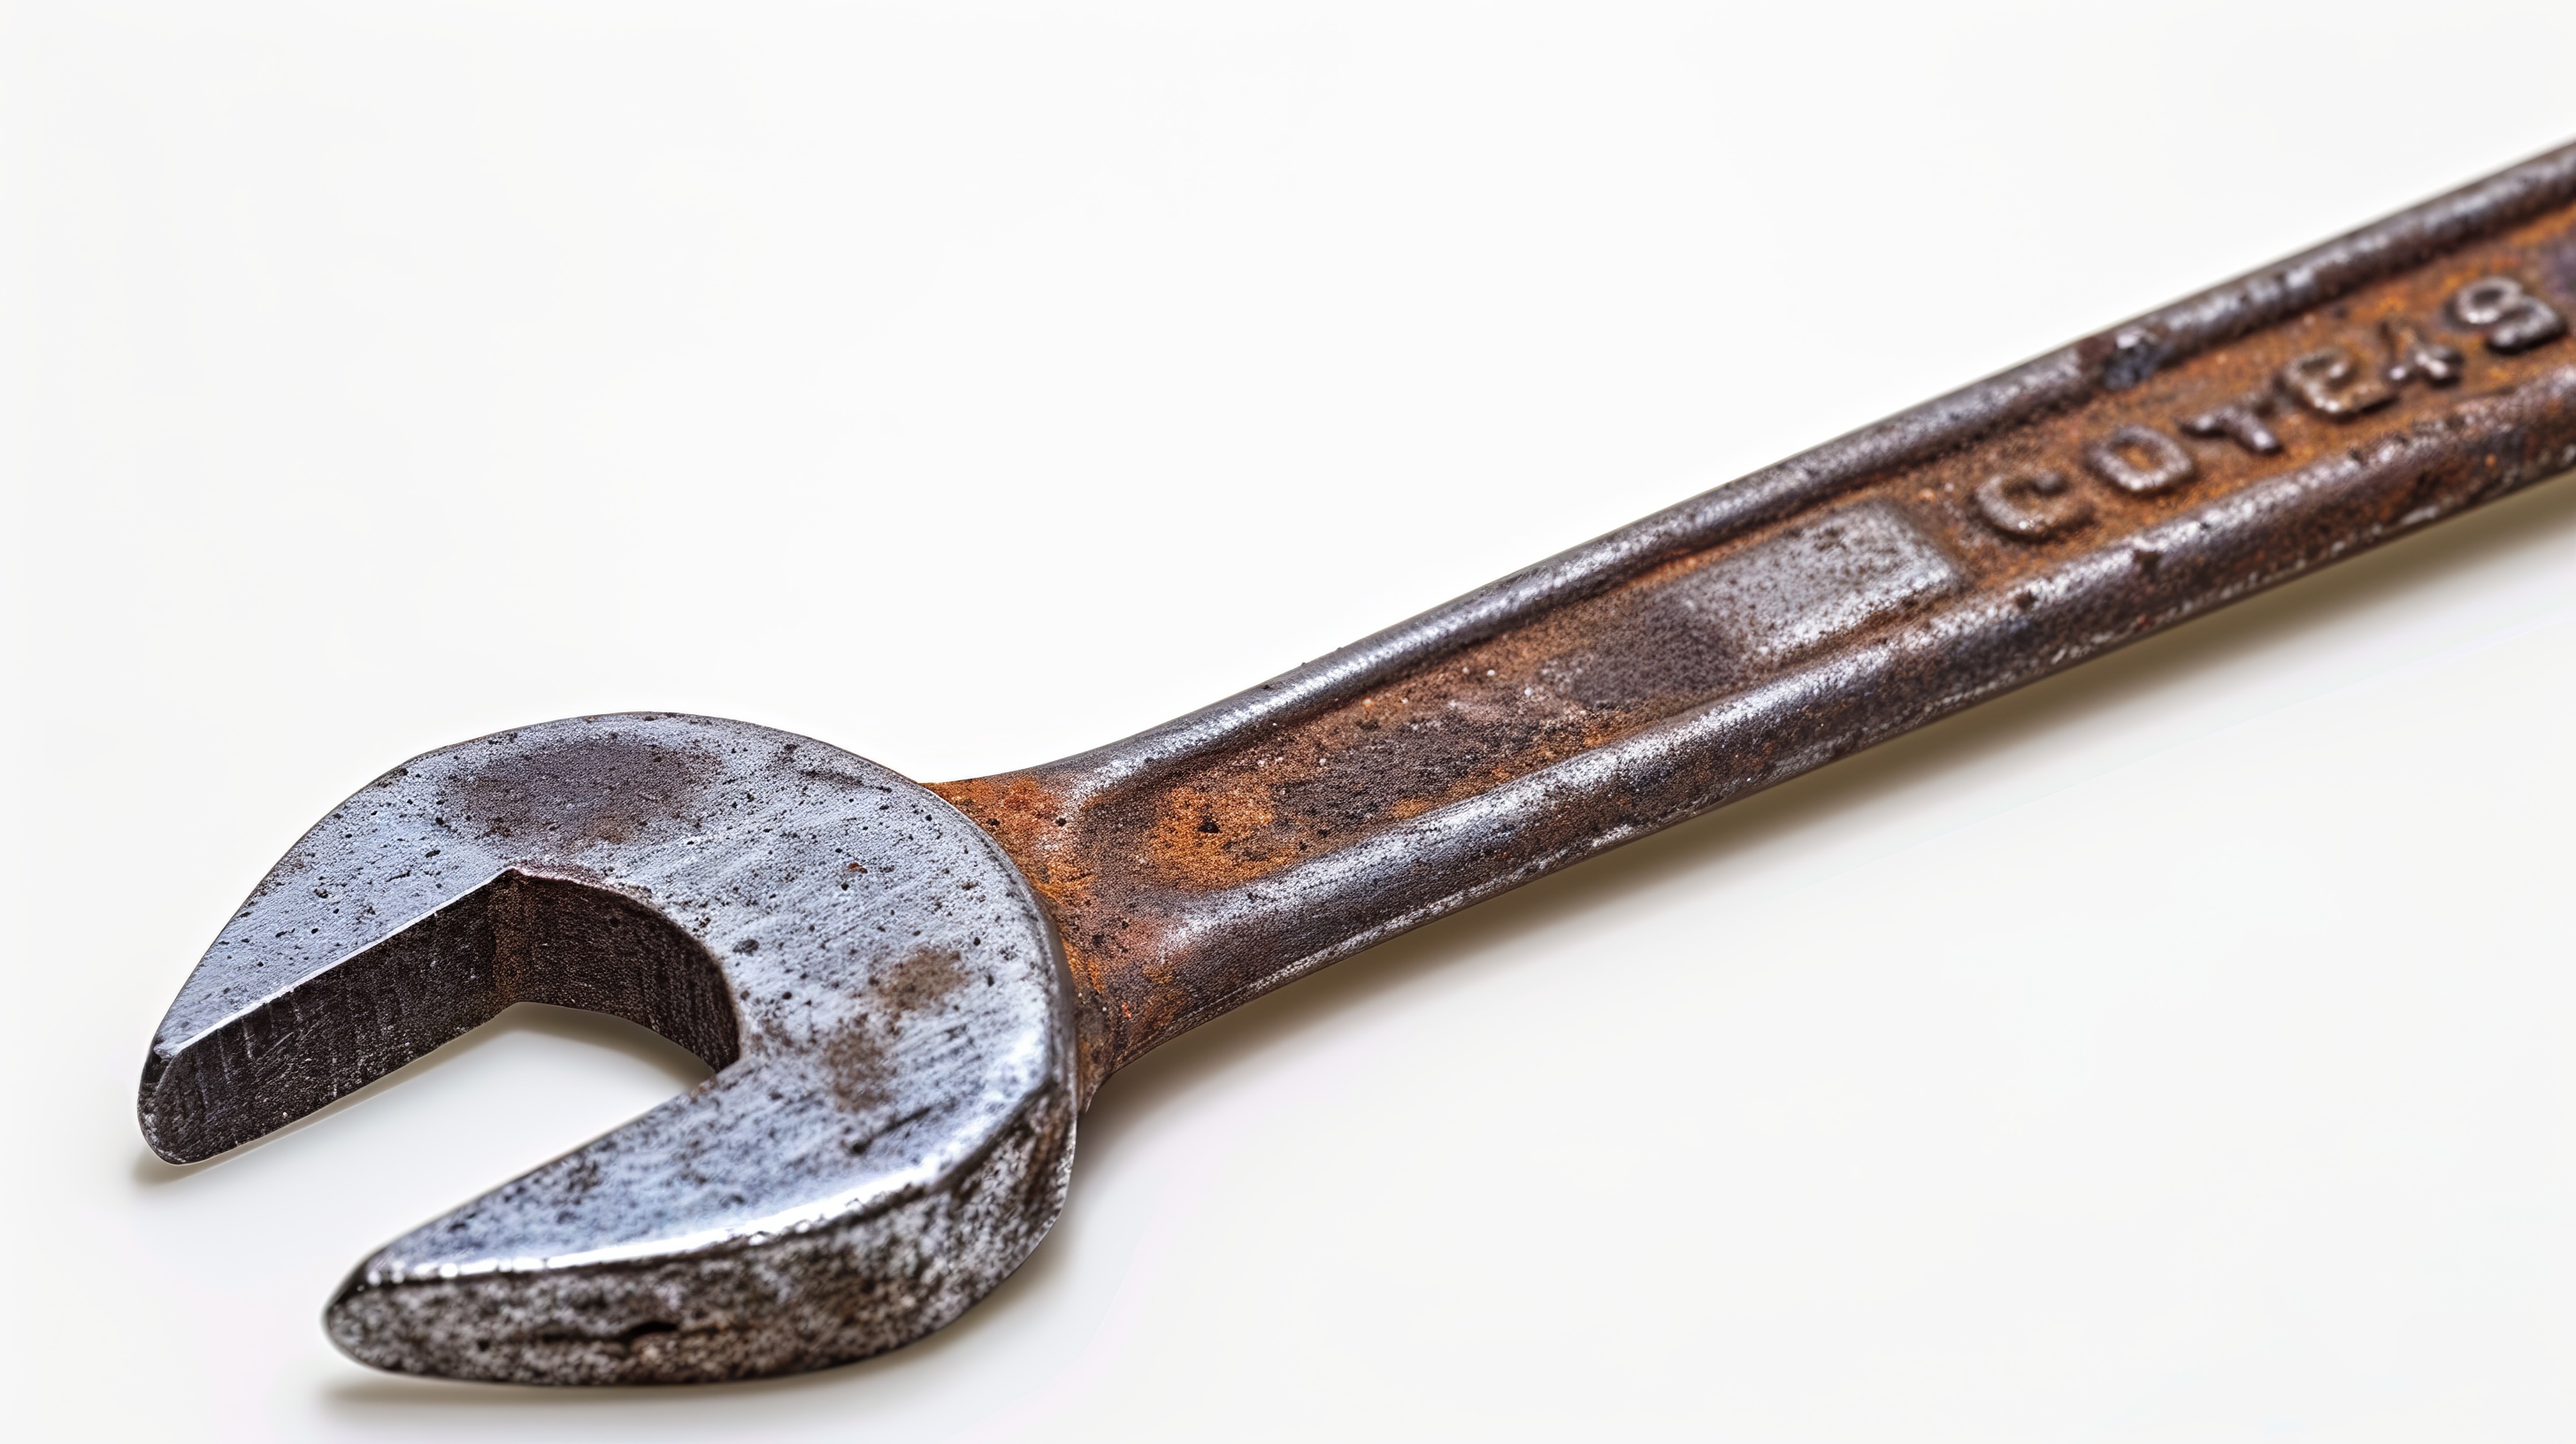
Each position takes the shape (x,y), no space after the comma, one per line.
(909,992)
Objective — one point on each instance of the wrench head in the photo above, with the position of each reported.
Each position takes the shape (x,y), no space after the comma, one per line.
(890,1129)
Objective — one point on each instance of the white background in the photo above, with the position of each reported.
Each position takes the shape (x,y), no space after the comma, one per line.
(2175,1050)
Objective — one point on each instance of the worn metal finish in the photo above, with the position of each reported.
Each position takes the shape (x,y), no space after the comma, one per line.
(892,1126)
(783,1217)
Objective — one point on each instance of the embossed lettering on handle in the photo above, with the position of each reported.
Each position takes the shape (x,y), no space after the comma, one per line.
(2512,318)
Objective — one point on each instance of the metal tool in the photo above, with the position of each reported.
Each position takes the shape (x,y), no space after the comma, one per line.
(910,992)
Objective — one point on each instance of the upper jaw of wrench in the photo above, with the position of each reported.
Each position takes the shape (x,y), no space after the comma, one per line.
(888,1135)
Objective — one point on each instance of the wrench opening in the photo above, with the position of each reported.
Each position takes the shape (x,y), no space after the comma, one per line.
(521,938)
(890,1127)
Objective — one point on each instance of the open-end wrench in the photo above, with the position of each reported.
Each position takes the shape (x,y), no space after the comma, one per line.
(910,992)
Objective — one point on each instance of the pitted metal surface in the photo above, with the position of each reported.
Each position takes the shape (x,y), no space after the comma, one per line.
(907,1002)
(892,1127)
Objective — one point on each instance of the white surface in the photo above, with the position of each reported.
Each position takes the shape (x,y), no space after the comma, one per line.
(2175,1050)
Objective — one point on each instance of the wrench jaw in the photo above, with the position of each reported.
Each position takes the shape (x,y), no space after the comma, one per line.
(262,1037)
(654,1255)
(891,1129)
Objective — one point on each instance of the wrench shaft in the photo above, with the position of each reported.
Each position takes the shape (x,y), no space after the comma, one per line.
(2140,477)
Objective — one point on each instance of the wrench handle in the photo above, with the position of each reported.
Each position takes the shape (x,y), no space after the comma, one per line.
(2141,476)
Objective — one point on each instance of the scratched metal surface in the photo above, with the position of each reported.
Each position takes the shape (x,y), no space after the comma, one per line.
(2136,478)
(892,1127)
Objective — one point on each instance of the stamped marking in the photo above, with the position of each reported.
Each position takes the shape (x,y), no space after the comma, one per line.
(2032,506)
(2361,373)
(2333,383)
(2412,358)
(2140,460)
(2240,421)
(2512,318)
(1817,582)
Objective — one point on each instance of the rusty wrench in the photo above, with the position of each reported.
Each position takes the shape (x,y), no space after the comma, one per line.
(910,992)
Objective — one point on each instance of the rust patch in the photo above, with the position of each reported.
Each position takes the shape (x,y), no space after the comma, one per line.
(1030,821)
(856,1070)
(1041,830)
(1215,839)
(856,1066)
(922,980)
